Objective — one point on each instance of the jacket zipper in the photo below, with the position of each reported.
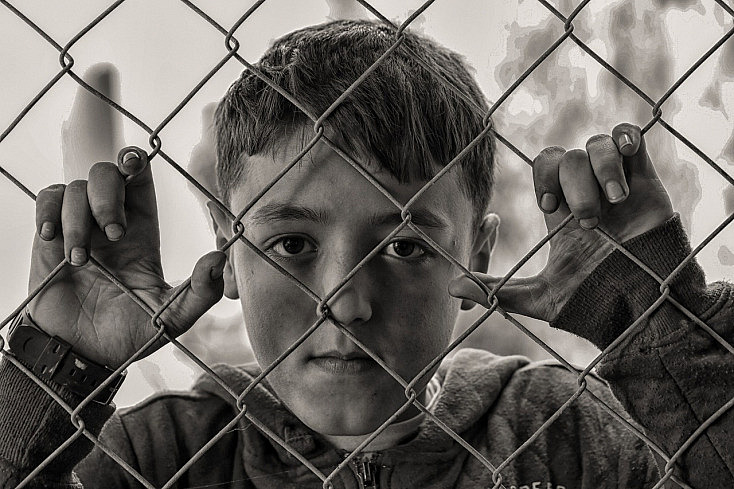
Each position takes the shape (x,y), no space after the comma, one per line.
(367,472)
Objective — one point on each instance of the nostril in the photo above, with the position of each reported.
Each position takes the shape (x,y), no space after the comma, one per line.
(322,309)
(348,306)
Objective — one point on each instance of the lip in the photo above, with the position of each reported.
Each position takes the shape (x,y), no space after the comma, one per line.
(344,364)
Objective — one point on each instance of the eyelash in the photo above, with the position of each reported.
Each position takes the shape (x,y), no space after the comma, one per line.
(419,245)
(425,252)
(287,256)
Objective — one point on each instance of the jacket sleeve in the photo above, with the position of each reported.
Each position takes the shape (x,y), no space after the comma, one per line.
(669,373)
(33,425)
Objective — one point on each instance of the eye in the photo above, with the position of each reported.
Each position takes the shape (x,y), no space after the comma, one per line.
(403,248)
(291,246)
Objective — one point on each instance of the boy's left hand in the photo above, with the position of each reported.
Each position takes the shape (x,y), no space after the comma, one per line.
(583,183)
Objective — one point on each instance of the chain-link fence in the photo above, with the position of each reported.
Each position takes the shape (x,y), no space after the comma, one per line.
(157,155)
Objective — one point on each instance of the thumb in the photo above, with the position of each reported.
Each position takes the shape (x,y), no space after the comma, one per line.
(519,295)
(201,292)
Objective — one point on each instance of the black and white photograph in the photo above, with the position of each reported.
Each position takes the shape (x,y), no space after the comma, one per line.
(367,244)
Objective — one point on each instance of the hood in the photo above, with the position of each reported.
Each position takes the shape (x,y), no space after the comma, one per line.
(471,382)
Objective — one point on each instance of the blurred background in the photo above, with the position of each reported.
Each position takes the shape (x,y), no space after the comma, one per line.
(147,56)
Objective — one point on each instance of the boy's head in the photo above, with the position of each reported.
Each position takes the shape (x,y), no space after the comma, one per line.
(402,115)
(323,218)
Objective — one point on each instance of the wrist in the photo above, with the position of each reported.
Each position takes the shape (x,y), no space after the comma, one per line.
(618,291)
(52,360)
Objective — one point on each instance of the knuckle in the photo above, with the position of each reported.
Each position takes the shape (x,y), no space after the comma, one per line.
(106,216)
(104,209)
(544,187)
(76,232)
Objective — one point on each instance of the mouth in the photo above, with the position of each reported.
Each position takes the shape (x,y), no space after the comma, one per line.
(339,363)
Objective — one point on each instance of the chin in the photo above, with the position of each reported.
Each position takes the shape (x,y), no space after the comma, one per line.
(350,421)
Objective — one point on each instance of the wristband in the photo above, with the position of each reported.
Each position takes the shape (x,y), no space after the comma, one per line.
(52,359)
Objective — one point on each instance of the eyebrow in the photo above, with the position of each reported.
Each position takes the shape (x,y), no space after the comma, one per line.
(273,212)
(287,212)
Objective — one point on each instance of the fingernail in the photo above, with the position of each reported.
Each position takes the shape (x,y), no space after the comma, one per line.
(128,157)
(615,192)
(78,256)
(624,141)
(548,202)
(132,162)
(48,231)
(114,232)
(589,222)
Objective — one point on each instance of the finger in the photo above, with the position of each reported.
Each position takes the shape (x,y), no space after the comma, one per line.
(106,193)
(606,162)
(76,223)
(628,138)
(205,290)
(48,211)
(580,188)
(631,144)
(518,295)
(545,178)
(93,130)
(133,164)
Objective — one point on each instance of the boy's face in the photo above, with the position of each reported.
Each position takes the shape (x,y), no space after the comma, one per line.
(318,223)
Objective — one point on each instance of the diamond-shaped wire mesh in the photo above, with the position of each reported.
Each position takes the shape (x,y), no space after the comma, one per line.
(231,51)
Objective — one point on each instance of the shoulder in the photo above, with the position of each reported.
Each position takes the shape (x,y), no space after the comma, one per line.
(185,416)
(546,396)
(548,386)
(191,417)
(206,400)
(576,424)
(160,434)
(554,378)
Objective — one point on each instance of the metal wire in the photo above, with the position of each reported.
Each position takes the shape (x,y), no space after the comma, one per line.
(157,312)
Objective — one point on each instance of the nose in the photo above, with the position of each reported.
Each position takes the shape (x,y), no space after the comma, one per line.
(351,304)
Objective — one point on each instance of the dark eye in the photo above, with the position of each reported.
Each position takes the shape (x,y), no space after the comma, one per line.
(404,249)
(291,245)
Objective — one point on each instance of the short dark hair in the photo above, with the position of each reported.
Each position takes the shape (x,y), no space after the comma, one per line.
(403,115)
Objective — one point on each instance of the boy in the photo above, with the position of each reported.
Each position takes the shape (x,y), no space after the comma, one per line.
(318,222)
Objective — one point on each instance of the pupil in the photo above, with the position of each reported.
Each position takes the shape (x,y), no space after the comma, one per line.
(293,245)
(403,248)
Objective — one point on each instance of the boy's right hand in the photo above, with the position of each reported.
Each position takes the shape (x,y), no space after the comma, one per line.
(113,216)
(118,225)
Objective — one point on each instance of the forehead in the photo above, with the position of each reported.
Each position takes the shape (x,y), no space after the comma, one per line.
(324,181)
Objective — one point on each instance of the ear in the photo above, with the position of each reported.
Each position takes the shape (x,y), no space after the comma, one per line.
(484,240)
(222,226)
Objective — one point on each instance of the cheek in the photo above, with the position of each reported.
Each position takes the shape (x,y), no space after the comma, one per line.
(275,310)
(420,318)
